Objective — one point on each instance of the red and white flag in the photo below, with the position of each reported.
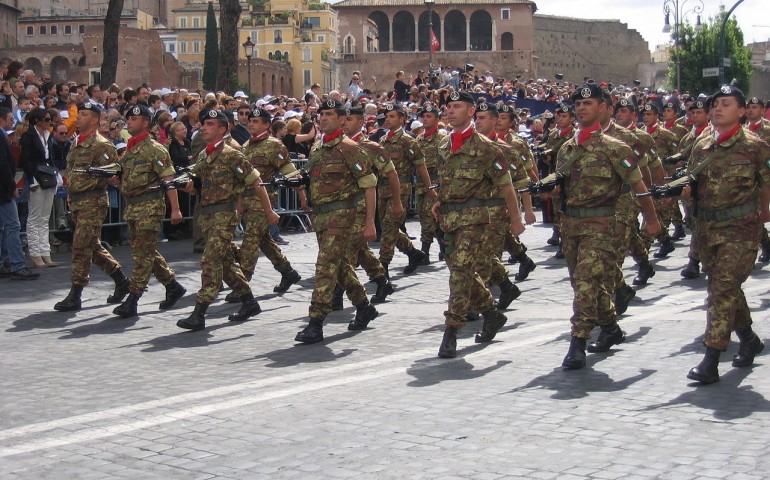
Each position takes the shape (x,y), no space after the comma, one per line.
(434,44)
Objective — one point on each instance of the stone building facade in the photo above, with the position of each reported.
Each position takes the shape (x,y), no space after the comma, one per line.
(9,17)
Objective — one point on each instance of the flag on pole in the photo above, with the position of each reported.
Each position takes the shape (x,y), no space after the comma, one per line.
(434,45)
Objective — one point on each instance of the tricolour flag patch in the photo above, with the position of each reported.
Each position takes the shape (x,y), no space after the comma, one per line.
(159,162)
(238,170)
(628,163)
(768,163)
(513,167)
(498,165)
(358,166)
(280,156)
(411,152)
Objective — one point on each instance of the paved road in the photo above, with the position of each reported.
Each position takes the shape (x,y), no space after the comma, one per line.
(87,395)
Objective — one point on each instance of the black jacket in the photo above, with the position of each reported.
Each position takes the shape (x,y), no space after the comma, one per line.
(240,134)
(7,172)
(32,153)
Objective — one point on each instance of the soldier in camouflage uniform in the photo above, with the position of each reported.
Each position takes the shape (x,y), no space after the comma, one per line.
(760,126)
(732,169)
(428,141)
(595,167)
(469,166)
(665,146)
(89,203)
(145,164)
(220,173)
(339,175)
(670,117)
(403,151)
(565,120)
(492,271)
(269,156)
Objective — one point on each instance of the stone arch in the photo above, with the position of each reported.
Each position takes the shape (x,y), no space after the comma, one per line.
(60,69)
(455,30)
(481,31)
(349,44)
(269,55)
(283,85)
(272,84)
(82,61)
(506,41)
(277,56)
(286,57)
(264,83)
(34,64)
(403,32)
(383,27)
(423,30)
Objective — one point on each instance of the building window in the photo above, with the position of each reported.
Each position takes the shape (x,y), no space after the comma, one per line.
(182,22)
(505,13)
(182,47)
(196,22)
(196,46)
(307,55)
(43,30)
(30,31)
(320,38)
(81,29)
(68,29)
(313,22)
(171,48)
(54,30)
(277,36)
(307,77)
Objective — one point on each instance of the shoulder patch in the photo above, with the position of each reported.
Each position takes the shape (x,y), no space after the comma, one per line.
(499,165)
(628,163)
(159,162)
(381,159)
(358,166)
(239,170)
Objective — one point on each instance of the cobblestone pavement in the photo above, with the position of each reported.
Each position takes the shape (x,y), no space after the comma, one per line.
(88,395)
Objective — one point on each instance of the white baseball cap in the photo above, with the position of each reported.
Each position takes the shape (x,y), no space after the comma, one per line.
(415,125)
(240,94)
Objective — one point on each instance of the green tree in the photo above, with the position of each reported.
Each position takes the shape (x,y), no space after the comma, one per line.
(699,49)
(227,73)
(211,53)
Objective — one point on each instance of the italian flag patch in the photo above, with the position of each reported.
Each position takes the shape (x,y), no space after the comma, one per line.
(411,152)
(513,167)
(628,163)
(768,163)
(280,156)
(358,166)
(239,170)
(159,162)
(498,165)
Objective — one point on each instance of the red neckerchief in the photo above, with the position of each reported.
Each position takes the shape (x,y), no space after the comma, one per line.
(392,133)
(652,129)
(688,121)
(83,138)
(755,126)
(429,133)
(211,147)
(134,140)
(261,136)
(458,138)
(723,137)
(698,130)
(565,132)
(357,136)
(493,136)
(326,138)
(585,133)
(670,124)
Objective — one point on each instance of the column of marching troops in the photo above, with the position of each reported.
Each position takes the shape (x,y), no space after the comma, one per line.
(470,186)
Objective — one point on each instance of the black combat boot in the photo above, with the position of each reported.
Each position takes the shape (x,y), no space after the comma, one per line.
(646,271)
(174,291)
(385,267)
(249,308)
(416,258)
(623,295)
(493,322)
(559,255)
(508,293)
(707,370)
(426,250)
(365,313)
(128,308)
(448,348)
(666,247)
(233,297)
(121,286)
(764,257)
(196,320)
(287,280)
(526,265)
(692,270)
(678,232)
(384,288)
(576,356)
(71,302)
(312,333)
(554,240)
(608,336)
(337,298)
(472,315)
(750,346)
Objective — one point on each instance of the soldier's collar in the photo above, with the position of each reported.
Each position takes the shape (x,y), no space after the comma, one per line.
(392,134)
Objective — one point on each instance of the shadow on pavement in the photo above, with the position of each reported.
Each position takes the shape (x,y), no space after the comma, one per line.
(52,320)
(431,371)
(187,339)
(574,384)
(109,326)
(289,357)
(695,346)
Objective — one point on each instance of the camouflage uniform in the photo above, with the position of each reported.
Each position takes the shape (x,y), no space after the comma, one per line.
(89,205)
(677,129)
(665,146)
(728,226)
(268,156)
(554,142)
(223,174)
(641,242)
(429,146)
(686,147)
(144,166)
(600,166)
(762,130)
(513,244)
(403,151)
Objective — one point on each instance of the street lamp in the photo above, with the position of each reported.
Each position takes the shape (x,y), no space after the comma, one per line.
(722,43)
(430,4)
(680,11)
(248,47)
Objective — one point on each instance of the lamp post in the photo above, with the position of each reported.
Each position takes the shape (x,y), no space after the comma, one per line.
(721,62)
(679,9)
(430,4)
(248,48)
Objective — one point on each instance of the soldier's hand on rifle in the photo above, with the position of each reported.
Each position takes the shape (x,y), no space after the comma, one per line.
(686,193)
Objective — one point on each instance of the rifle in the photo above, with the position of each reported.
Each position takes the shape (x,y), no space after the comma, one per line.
(544,185)
(673,159)
(107,171)
(296,179)
(679,180)
(175,184)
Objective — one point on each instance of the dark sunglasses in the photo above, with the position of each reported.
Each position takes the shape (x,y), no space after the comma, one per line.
(46,119)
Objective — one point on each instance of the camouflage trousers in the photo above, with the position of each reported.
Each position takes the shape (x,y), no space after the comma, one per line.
(693,254)
(591,255)
(728,264)
(87,247)
(360,253)
(334,266)
(427,221)
(491,246)
(513,244)
(143,236)
(217,261)
(466,288)
(392,237)
(256,237)
(628,238)
(667,214)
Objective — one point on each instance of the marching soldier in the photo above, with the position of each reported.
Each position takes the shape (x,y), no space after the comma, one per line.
(145,164)
(594,168)
(339,176)
(731,203)
(469,167)
(220,173)
(428,141)
(565,120)
(89,203)
(757,124)
(670,116)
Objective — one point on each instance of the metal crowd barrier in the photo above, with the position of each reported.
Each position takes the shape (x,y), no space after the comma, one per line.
(288,204)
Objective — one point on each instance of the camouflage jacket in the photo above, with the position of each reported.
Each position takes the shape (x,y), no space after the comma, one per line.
(144,166)
(665,144)
(676,128)
(761,129)
(268,155)
(429,147)
(403,151)
(223,174)
(555,140)
(95,151)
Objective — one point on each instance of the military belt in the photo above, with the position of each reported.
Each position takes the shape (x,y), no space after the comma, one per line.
(338,205)
(625,189)
(217,208)
(472,203)
(725,213)
(144,197)
(578,212)
(75,197)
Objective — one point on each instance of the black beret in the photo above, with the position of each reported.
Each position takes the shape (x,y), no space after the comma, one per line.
(429,108)
(562,107)
(394,107)
(92,106)
(208,113)
(486,107)
(698,104)
(755,101)
(587,90)
(650,107)
(670,105)
(260,113)
(229,115)
(461,97)
(138,110)
(358,111)
(330,104)
(730,91)
(625,103)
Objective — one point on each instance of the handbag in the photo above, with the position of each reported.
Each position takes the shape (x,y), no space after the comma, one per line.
(46,176)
